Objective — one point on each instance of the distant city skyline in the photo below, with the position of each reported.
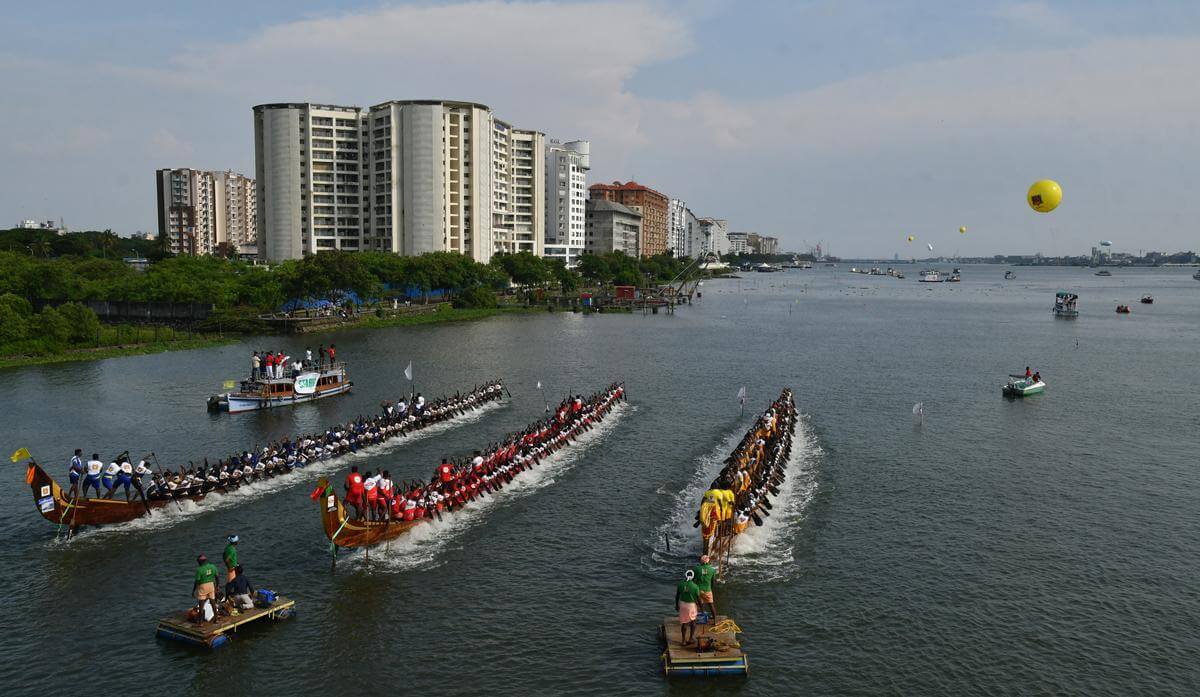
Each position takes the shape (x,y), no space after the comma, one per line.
(855,123)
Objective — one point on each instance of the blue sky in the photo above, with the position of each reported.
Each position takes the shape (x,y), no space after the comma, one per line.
(856,123)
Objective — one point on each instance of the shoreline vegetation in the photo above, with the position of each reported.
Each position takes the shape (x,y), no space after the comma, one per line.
(54,286)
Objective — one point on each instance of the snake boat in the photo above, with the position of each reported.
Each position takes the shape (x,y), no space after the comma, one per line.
(741,492)
(485,474)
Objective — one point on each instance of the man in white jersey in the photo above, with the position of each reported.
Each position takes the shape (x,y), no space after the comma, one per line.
(92,478)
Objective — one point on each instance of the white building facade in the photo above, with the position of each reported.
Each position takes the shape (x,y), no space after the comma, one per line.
(407,177)
(677,228)
(567,165)
(717,232)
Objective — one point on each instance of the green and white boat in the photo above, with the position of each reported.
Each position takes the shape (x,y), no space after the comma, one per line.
(1020,386)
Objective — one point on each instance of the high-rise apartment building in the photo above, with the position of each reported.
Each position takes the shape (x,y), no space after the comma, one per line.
(202,212)
(408,177)
(612,227)
(677,234)
(308,162)
(739,243)
(567,165)
(716,230)
(653,205)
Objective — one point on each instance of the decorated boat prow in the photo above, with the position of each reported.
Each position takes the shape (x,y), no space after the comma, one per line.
(74,511)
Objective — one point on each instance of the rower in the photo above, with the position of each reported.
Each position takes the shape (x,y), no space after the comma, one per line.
(371,487)
(109,479)
(76,471)
(141,471)
(354,491)
(445,472)
(124,477)
(386,493)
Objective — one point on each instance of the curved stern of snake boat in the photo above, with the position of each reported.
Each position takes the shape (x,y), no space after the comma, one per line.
(344,531)
(55,506)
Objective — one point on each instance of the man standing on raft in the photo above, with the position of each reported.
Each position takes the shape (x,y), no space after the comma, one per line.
(687,594)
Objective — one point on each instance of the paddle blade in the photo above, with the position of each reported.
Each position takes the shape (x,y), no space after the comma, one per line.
(757,521)
(316,493)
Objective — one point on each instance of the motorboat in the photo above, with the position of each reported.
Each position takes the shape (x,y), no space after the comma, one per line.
(1066,304)
(1122,309)
(954,277)
(1103,272)
(295,387)
(1021,386)
(1147,300)
(1196,275)
(930,277)
(1009,275)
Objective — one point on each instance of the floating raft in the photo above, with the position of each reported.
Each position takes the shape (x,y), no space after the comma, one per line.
(177,626)
(725,657)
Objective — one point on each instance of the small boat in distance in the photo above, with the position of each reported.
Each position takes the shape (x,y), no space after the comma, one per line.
(930,277)
(295,387)
(1122,309)
(1009,275)
(1103,272)
(1066,304)
(1147,299)
(954,277)
(1196,275)
(1021,386)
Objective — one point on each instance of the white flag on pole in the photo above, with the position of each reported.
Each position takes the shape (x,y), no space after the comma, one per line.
(919,409)
(408,372)
(742,395)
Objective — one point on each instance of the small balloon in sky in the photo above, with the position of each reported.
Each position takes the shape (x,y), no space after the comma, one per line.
(911,238)
(962,230)
(927,244)
(1044,196)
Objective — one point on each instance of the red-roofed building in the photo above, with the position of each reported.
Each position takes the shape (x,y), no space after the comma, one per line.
(650,203)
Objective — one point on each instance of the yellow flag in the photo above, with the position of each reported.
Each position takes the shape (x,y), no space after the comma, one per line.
(229,384)
(20,455)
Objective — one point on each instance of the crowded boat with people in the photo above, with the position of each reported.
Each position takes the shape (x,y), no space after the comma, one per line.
(278,380)
(741,492)
(384,509)
(148,485)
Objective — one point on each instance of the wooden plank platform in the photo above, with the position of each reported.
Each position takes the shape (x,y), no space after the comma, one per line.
(177,626)
(725,657)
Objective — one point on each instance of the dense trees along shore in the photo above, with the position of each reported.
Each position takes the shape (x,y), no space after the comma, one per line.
(48,278)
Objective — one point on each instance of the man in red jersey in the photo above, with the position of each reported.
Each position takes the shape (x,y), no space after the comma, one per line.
(355,491)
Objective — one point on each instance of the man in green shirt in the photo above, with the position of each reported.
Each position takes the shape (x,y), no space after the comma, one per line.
(687,593)
(205,585)
(231,557)
(705,573)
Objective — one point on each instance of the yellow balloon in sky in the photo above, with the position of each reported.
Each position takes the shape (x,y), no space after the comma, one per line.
(962,230)
(911,238)
(1044,196)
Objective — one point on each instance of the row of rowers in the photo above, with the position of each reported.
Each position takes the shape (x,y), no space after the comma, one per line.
(274,458)
(751,472)
(375,496)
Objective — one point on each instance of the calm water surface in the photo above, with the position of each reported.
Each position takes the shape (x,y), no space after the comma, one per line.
(1001,547)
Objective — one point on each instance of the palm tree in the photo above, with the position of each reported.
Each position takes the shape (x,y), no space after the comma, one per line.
(107,242)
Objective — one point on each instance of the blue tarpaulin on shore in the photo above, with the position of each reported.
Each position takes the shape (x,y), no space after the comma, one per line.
(337,299)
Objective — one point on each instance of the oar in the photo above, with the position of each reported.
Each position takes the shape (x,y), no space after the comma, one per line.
(164,477)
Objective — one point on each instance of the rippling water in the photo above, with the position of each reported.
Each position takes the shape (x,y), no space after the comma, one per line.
(999,547)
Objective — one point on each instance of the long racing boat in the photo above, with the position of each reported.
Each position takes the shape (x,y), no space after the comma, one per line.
(741,492)
(67,508)
(454,485)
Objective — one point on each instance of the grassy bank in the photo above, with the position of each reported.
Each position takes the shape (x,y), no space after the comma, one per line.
(443,314)
(92,354)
